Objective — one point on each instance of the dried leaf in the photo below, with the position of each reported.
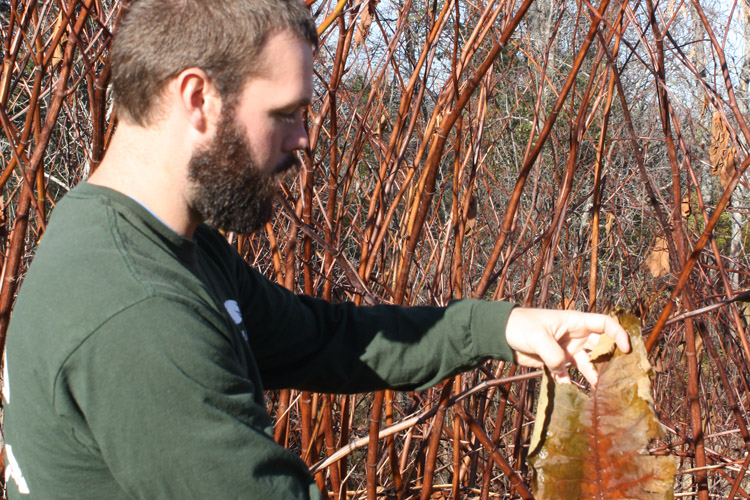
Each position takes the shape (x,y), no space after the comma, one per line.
(698,349)
(717,142)
(670,7)
(610,222)
(382,125)
(568,303)
(685,206)
(57,54)
(704,106)
(659,368)
(605,347)
(596,447)
(658,260)
(471,216)
(745,309)
(364,22)
(608,229)
(721,155)
(698,346)
(727,168)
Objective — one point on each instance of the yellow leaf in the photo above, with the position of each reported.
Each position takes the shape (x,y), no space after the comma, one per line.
(596,446)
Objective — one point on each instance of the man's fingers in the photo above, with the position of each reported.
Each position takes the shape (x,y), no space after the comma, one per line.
(601,323)
(562,377)
(592,341)
(583,363)
(554,357)
(558,338)
(613,329)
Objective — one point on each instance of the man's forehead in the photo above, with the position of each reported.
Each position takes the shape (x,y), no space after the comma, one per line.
(284,69)
(281,52)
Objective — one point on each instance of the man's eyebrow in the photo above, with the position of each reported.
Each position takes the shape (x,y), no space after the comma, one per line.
(299,103)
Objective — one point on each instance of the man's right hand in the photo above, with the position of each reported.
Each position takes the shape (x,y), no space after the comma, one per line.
(559,339)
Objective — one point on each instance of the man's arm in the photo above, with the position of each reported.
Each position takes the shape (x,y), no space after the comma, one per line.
(307,343)
(310,343)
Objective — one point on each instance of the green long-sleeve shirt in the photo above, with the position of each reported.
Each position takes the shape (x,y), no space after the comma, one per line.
(136,360)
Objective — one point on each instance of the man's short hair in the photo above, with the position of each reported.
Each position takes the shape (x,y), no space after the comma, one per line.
(158,39)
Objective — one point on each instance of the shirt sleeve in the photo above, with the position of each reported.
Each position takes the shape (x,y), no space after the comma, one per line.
(307,343)
(171,411)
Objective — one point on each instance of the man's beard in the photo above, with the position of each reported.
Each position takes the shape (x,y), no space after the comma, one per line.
(228,187)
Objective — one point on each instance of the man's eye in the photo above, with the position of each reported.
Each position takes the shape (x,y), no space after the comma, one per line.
(287,117)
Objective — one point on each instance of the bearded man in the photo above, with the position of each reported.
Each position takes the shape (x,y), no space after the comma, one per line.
(141,343)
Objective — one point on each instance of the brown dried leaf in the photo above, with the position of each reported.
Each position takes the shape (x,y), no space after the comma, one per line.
(685,206)
(608,229)
(717,137)
(704,106)
(568,304)
(382,125)
(682,347)
(471,216)
(610,222)
(658,260)
(671,6)
(727,168)
(659,368)
(605,347)
(596,447)
(745,310)
(364,22)
(57,54)
(719,152)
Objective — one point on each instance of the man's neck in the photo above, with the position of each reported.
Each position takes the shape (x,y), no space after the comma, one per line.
(150,166)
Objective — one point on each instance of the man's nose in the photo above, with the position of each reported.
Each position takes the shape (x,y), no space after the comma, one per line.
(297,139)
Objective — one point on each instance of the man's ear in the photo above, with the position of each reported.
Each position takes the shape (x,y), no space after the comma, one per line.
(198,98)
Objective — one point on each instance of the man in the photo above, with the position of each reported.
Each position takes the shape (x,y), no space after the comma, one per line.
(141,342)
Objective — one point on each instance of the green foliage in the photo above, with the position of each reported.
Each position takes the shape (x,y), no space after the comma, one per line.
(722,231)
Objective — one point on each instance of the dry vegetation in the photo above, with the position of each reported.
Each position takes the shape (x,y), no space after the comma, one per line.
(556,154)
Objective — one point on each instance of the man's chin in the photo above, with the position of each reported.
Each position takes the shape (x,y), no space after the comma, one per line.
(245,218)
(247,227)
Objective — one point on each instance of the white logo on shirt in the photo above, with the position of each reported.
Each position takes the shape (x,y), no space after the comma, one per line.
(233,308)
(12,470)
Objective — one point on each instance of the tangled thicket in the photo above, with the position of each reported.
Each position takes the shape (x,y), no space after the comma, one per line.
(556,154)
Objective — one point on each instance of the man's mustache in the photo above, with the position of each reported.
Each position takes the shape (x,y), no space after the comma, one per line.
(288,164)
